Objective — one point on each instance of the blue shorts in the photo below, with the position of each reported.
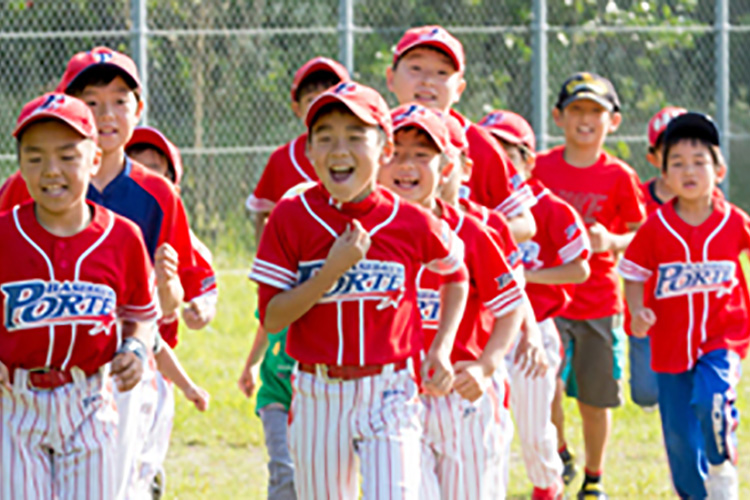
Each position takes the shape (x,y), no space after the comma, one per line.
(699,419)
(644,389)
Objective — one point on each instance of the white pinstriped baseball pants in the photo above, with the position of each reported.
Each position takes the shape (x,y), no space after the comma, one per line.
(374,420)
(58,443)
(462,448)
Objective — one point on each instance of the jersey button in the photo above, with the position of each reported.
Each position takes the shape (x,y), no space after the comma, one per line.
(63,264)
(61,245)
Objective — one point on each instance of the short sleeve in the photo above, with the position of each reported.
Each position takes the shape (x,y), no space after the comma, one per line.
(13,192)
(270,187)
(499,224)
(638,263)
(496,285)
(630,203)
(443,250)
(137,302)
(567,233)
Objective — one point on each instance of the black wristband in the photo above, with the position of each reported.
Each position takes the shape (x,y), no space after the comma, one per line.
(134,345)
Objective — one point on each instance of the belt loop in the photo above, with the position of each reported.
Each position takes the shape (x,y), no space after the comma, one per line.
(410,366)
(20,381)
(79,378)
(388,369)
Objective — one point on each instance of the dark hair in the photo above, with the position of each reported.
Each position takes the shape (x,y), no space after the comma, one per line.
(525,152)
(337,107)
(99,76)
(143,147)
(314,81)
(428,47)
(713,149)
(658,146)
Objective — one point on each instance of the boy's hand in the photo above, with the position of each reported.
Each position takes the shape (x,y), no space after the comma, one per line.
(530,357)
(127,369)
(198,396)
(601,240)
(437,373)
(5,377)
(643,319)
(198,313)
(166,260)
(349,248)
(246,383)
(471,379)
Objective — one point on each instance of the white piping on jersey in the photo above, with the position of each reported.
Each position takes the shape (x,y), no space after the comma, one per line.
(485,214)
(361,332)
(390,218)
(419,274)
(294,161)
(690,295)
(316,217)
(460,221)
(340,326)
(76,277)
(705,259)
(51,277)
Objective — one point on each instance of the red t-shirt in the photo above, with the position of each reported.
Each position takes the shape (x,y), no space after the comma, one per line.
(494,181)
(694,283)
(370,316)
(607,192)
(63,296)
(287,166)
(493,292)
(561,237)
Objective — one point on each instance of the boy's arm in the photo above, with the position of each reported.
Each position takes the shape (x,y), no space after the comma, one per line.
(642,317)
(437,372)
(260,344)
(575,271)
(171,368)
(288,306)
(602,240)
(259,224)
(168,286)
(522,226)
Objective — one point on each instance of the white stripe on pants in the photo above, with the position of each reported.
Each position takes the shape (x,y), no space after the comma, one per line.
(531,404)
(463,447)
(58,443)
(377,419)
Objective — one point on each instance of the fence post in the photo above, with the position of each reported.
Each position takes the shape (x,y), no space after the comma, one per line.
(346,34)
(139,48)
(539,72)
(721,33)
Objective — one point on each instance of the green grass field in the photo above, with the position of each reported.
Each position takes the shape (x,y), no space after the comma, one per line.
(220,454)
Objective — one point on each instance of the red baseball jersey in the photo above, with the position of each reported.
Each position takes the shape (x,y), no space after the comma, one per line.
(607,192)
(501,232)
(287,166)
(370,316)
(493,292)
(494,181)
(63,296)
(694,283)
(561,237)
(13,192)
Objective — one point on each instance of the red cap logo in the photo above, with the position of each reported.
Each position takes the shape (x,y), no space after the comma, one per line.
(658,123)
(69,110)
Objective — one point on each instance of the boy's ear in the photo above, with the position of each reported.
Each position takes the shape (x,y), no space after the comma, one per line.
(615,121)
(557,116)
(97,161)
(466,166)
(651,158)
(460,90)
(296,109)
(387,153)
(139,110)
(447,171)
(389,78)
(721,172)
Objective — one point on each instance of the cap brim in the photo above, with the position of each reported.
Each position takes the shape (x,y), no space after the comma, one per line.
(589,96)
(360,112)
(421,126)
(437,44)
(504,135)
(692,125)
(48,115)
(132,82)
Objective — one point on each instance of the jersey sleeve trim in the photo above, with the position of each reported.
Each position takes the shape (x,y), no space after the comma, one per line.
(505,302)
(146,313)
(451,262)
(576,248)
(273,275)
(632,271)
(518,201)
(255,204)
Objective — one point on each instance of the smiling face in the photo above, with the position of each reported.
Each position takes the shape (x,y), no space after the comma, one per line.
(586,123)
(346,153)
(116,111)
(57,164)
(414,171)
(691,171)
(428,77)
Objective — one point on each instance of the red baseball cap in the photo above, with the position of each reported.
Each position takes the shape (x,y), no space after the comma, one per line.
(154,138)
(457,133)
(100,57)
(67,109)
(510,127)
(414,115)
(318,64)
(366,104)
(658,123)
(432,36)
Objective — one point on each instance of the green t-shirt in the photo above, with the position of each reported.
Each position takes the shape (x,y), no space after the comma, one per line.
(275,373)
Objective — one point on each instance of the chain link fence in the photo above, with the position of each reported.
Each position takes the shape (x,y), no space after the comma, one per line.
(218,72)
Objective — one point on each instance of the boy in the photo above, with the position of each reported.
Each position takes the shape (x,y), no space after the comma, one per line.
(77,298)
(687,292)
(463,435)
(428,69)
(605,192)
(288,165)
(556,255)
(354,324)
